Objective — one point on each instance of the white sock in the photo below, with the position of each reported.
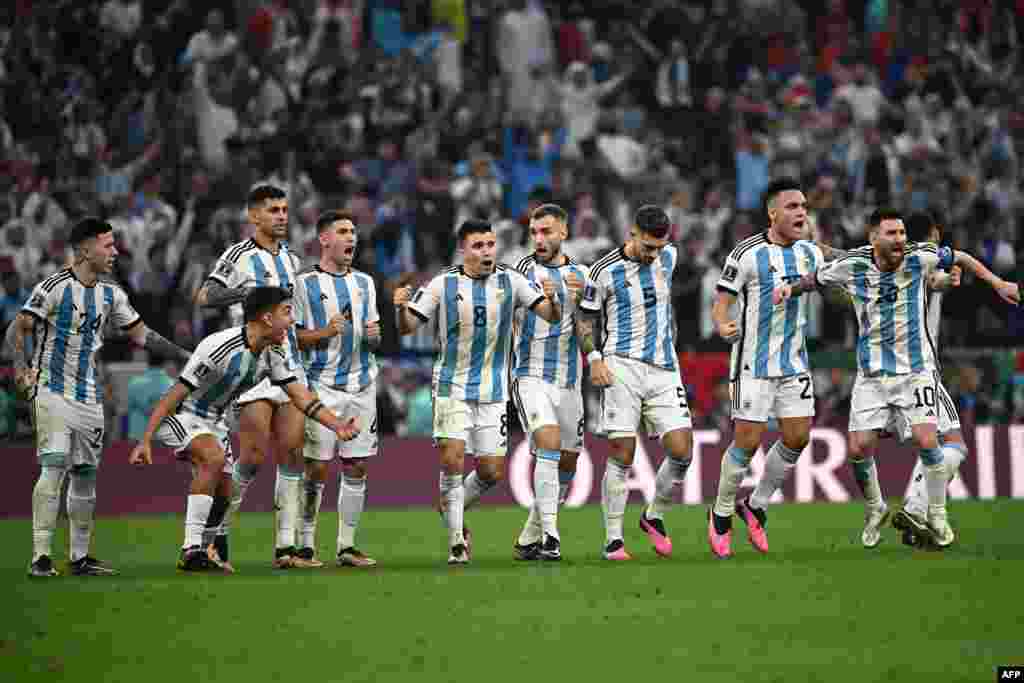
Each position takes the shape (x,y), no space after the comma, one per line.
(545,489)
(196,513)
(614,494)
(351,501)
(214,526)
(533,531)
(670,474)
(45,508)
(242,476)
(735,462)
(454,495)
(312,495)
(935,479)
(779,462)
(475,487)
(917,495)
(866,474)
(287,491)
(81,511)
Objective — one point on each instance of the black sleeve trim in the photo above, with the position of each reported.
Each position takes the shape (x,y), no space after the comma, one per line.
(286,381)
(535,303)
(419,315)
(125,328)
(723,288)
(188,385)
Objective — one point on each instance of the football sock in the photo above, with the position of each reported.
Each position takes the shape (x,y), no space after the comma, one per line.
(45,507)
(81,509)
(545,488)
(779,462)
(453,493)
(866,474)
(614,494)
(287,490)
(735,462)
(312,496)
(476,486)
(351,500)
(196,514)
(671,473)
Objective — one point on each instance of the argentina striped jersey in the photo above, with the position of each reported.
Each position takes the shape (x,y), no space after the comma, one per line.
(635,300)
(343,361)
(247,264)
(72,320)
(772,341)
(224,366)
(893,336)
(474,321)
(544,350)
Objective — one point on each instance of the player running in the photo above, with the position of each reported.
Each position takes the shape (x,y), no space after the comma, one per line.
(769,370)
(473,306)
(339,330)
(264,410)
(190,417)
(637,370)
(896,359)
(65,321)
(546,387)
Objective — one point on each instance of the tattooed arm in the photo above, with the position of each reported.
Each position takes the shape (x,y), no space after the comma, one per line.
(153,341)
(16,345)
(831,253)
(215,295)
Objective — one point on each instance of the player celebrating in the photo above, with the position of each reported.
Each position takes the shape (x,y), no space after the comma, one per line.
(225,365)
(769,372)
(911,519)
(264,410)
(896,359)
(339,328)
(66,320)
(547,372)
(473,306)
(637,369)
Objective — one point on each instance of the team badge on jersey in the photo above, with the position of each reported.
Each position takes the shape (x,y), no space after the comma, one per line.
(730,273)
(224,269)
(37,301)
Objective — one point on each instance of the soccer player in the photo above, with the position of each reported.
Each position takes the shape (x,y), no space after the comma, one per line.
(473,306)
(911,518)
(896,359)
(637,370)
(769,373)
(65,321)
(189,417)
(264,410)
(339,330)
(546,389)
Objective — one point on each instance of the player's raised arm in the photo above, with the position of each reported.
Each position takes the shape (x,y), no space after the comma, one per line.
(943,282)
(1007,291)
(151,340)
(214,294)
(311,337)
(549,307)
(168,404)
(21,329)
(412,309)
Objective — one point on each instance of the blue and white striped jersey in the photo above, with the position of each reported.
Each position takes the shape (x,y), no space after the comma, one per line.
(474,318)
(636,302)
(544,350)
(893,336)
(343,362)
(223,367)
(247,264)
(74,319)
(772,341)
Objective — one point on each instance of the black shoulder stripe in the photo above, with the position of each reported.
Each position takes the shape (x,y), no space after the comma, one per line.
(604,262)
(222,351)
(234,253)
(524,263)
(55,280)
(746,245)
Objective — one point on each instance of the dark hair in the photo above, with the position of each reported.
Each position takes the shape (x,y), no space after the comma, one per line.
(472,227)
(328,218)
(262,193)
(553,210)
(883,214)
(87,228)
(777,187)
(920,225)
(652,220)
(262,299)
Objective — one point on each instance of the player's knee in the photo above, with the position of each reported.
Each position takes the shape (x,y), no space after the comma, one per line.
(491,472)
(352,468)
(567,463)
(83,481)
(797,442)
(623,450)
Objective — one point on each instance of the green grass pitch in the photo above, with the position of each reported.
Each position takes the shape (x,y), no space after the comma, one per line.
(817,608)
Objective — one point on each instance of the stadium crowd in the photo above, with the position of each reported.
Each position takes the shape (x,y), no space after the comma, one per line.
(159,115)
